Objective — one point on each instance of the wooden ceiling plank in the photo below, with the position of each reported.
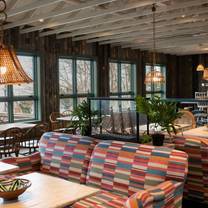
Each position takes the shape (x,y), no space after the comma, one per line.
(66,10)
(28,7)
(95,14)
(134,23)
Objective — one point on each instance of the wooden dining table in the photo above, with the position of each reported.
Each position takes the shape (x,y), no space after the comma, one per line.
(23,126)
(197,132)
(49,192)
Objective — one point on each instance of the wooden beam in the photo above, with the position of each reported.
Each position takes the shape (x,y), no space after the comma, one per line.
(146,37)
(66,10)
(86,24)
(129,31)
(90,14)
(31,6)
(134,23)
(139,22)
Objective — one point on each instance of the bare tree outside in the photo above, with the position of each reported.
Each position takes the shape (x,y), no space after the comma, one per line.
(126,77)
(113,74)
(74,83)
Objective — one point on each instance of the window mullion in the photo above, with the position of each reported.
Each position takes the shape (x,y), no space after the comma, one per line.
(74,81)
(119,80)
(10,104)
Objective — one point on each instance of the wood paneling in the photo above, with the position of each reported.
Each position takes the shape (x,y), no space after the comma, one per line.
(180,73)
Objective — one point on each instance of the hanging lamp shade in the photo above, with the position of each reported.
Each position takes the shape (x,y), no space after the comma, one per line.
(200,67)
(205,74)
(11,71)
(154,76)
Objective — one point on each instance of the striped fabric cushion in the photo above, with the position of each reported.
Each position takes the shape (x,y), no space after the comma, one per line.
(196,186)
(26,164)
(66,155)
(126,168)
(167,194)
(103,199)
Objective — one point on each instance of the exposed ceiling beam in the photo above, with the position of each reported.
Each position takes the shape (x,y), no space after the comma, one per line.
(66,10)
(90,14)
(134,23)
(166,9)
(92,23)
(164,26)
(142,36)
(28,7)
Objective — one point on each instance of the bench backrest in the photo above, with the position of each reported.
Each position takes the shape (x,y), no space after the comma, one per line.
(196,186)
(65,155)
(128,167)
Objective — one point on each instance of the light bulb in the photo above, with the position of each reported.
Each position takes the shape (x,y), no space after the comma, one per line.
(3,70)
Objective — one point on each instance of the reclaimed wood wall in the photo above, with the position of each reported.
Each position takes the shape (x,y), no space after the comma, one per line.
(181,78)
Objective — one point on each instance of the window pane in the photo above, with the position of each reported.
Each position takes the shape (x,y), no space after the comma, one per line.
(83,76)
(28,66)
(126,77)
(113,74)
(66,104)
(65,76)
(23,110)
(81,99)
(3,90)
(3,112)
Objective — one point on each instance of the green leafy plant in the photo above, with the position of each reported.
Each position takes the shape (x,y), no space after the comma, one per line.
(145,138)
(159,112)
(83,113)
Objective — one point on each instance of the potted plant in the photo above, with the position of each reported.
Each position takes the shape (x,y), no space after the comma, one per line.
(83,113)
(161,115)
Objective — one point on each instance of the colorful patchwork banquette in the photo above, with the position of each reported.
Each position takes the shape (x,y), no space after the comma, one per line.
(128,175)
(196,187)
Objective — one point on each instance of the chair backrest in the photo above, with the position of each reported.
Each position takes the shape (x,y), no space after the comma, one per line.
(186,118)
(10,140)
(54,123)
(35,133)
(66,155)
(196,186)
(128,167)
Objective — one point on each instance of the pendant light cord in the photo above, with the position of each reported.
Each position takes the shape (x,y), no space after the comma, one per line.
(3,19)
(154,34)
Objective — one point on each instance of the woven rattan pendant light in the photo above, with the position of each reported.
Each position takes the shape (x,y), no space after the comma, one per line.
(205,74)
(154,76)
(11,71)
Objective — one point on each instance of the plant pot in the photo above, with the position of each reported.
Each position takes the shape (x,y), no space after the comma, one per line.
(158,139)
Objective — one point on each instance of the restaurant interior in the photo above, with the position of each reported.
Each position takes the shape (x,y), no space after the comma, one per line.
(103,103)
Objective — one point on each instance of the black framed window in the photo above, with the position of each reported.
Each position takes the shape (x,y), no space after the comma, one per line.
(122,79)
(76,81)
(156,89)
(21,102)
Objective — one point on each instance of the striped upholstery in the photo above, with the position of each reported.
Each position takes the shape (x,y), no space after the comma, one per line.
(196,187)
(167,194)
(103,199)
(126,168)
(26,164)
(66,155)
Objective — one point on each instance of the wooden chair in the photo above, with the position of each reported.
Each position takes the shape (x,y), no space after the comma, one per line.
(54,123)
(187,121)
(30,139)
(10,142)
(60,126)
